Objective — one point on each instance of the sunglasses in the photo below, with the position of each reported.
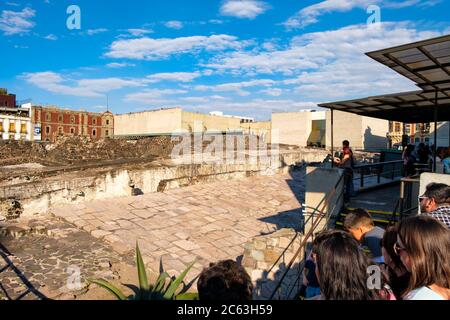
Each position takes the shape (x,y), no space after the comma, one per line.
(398,248)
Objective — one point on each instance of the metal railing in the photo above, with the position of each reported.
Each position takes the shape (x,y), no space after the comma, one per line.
(316,218)
(389,170)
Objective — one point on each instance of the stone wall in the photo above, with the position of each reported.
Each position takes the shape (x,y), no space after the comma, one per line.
(266,259)
(38,196)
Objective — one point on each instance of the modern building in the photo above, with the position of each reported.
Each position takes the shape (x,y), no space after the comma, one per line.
(55,122)
(16,123)
(7,100)
(243,119)
(172,121)
(303,128)
(261,128)
(364,133)
(416,132)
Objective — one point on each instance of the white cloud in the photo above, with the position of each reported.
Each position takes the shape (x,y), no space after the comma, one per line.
(177,25)
(174,76)
(248,9)
(117,65)
(51,37)
(13,22)
(159,49)
(152,96)
(310,15)
(91,32)
(274,92)
(54,82)
(237,87)
(139,32)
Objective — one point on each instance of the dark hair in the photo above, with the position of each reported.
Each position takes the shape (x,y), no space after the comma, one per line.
(397,283)
(225,281)
(357,218)
(440,192)
(320,237)
(346,143)
(388,242)
(342,267)
(427,242)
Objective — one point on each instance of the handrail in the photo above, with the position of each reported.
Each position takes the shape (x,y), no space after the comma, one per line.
(310,233)
(368,165)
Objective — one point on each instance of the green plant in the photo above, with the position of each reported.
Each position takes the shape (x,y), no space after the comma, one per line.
(165,287)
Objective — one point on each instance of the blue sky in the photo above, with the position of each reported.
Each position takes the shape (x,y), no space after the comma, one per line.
(242,57)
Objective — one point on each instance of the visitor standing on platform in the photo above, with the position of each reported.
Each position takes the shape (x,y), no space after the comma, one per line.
(347,162)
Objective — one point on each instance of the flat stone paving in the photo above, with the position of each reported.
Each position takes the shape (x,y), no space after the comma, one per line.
(40,266)
(206,223)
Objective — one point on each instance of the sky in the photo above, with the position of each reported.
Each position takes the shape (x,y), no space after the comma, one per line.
(241,57)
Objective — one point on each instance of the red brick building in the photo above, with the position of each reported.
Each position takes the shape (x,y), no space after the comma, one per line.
(7,100)
(57,122)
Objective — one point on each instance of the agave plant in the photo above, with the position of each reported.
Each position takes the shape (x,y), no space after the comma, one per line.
(165,287)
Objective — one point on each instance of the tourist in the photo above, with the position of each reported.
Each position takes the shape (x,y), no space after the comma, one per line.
(423,244)
(408,161)
(360,225)
(310,281)
(342,269)
(347,162)
(396,273)
(225,281)
(444,156)
(436,202)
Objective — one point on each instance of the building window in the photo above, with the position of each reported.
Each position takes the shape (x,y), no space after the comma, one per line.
(94,133)
(47,130)
(12,127)
(107,133)
(48,117)
(72,130)
(107,122)
(72,119)
(94,121)
(23,128)
(60,130)
(60,118)
(1,126)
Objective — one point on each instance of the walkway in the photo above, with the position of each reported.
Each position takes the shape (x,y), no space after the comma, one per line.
(206,223)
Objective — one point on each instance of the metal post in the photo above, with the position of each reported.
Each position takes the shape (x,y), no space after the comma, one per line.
(332,138)
(435,131)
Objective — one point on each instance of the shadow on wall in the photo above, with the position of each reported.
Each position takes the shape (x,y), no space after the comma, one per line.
(373,142)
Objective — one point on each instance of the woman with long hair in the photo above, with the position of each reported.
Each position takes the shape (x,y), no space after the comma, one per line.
(395,271)
(423,244)
(342,269)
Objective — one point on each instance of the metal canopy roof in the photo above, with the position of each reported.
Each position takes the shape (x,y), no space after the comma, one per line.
(427,63)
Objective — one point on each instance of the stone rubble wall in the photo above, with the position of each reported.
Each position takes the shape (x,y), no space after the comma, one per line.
(38,197)
(266,259)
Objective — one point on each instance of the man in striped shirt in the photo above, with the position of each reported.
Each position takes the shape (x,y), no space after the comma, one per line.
(436,202)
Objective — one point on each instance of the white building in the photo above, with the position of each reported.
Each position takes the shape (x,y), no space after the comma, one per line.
(243,119)
(17,124)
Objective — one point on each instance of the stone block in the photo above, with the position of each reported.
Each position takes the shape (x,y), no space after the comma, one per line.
(257,255)
(271,256)
(248,262)
(259,245)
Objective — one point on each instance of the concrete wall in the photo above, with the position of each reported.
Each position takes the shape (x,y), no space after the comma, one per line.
(262,129)
(319,183)
(364,133)
(443,134)
(293,128)
(199,122)
(148,122)
(375,133)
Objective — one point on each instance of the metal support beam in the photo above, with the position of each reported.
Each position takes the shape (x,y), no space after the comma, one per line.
(332,138)
(435,133)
